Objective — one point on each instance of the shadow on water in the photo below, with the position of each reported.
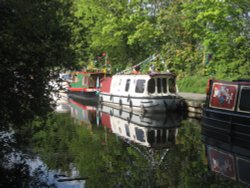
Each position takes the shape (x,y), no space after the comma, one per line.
(100,146)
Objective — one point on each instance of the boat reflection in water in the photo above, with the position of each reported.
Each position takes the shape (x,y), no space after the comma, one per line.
(83,112)
(150,134)
(228,155)
(150,130)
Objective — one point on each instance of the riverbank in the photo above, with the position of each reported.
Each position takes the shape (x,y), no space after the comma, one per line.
(193,103)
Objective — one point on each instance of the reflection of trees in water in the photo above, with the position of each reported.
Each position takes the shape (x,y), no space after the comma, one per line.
(15,169)
(108,161)
(153,156)
(153,163)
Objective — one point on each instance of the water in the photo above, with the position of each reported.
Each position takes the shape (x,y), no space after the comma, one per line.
(90,146)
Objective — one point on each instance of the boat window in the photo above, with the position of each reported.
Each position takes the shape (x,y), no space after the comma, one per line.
(151,85)
(158,136)
(244,104)
(75,78)
(140,86)
(139,134)
(151,136)
(172,88)
(164,85)
(171,135)
(91,82)
(85,81)
(127,85)
(158,85)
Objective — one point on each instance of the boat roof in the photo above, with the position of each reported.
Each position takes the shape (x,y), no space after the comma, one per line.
(85,72)
(153,74)
(239,81)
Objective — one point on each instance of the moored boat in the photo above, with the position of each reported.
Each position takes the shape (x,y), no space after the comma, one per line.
(86,85)
(141,92)
(227,108)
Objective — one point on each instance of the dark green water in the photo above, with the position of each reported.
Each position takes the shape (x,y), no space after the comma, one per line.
(103,147)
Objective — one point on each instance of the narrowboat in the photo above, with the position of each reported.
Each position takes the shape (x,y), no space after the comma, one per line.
(157,131)
(227,108)
(141,92)
(86,85)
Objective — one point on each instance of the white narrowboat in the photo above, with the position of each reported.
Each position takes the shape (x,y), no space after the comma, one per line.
(141,92)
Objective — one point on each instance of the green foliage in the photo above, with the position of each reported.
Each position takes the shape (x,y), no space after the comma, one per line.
(196,84)
(39,39)
(123,29)
(35,47)
(221,27)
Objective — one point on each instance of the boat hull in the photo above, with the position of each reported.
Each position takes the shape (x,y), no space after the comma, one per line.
(142,104)
(227,110)
(167,120)
(85,96)
(236,125)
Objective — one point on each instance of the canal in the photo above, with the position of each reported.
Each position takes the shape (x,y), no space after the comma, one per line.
(98,146)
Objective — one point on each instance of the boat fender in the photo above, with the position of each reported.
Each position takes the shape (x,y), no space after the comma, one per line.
(142,108)
(130,115)
(111,112)
(128,98)
(128,119)
(111,98)
(131,104)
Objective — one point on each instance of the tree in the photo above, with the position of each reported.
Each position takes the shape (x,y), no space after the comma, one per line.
(35,46)
(222,29)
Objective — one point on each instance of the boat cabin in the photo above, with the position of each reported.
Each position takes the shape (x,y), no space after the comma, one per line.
(150,92)
(139,85)
(227,109)
(86,85)
(86,79)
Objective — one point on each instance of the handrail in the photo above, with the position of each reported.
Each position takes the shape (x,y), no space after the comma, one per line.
(149,59)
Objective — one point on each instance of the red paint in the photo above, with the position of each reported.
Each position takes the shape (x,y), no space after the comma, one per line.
(82,89)
(105,84)
(105,119)
(223,96)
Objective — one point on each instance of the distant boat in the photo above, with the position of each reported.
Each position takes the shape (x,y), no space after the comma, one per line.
(141,92)
(86,85)
(59,90)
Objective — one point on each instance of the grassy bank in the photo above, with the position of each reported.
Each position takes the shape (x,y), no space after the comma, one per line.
(192,84)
